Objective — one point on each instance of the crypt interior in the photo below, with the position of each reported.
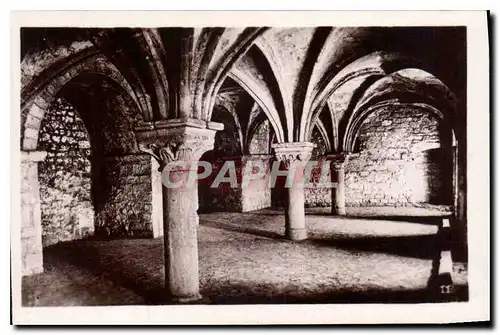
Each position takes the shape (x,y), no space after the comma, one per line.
(103,110)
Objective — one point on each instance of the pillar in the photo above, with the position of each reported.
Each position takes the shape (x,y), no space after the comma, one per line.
(177,146)
(338,162)
(156,199)
(295,156)
(31,217)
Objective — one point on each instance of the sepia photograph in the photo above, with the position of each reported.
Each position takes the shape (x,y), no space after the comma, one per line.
(180,170)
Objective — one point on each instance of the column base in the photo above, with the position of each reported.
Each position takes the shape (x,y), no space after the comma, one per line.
(187,299)
(338,211)
(296,234)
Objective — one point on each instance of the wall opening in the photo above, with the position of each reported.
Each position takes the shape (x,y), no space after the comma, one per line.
(401,159)
(65,175)
(227,147)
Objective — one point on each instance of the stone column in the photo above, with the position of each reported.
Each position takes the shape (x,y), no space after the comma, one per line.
(295,156)
(338,162)
(177,145)
(31,217)
(156,199)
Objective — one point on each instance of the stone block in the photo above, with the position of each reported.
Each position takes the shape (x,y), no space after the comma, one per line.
(39,107)
(32,264)
(31,133)
(27,215)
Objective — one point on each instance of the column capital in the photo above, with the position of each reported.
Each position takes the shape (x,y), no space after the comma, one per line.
(33,156)
(338,160)
(250,157)
(292,152)
(176,139)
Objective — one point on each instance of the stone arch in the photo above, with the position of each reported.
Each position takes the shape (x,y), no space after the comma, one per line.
(352,135)
(400,158)
(407,90)
(34,106)
(252,90)
(320,127)
(153,52)
(277,70)
(374,65)
(405,85)
(243,43)
(258,72)
(121,177)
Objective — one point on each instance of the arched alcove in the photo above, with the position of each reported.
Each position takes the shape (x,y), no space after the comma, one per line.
(121,174)
(65,175)
(401,158)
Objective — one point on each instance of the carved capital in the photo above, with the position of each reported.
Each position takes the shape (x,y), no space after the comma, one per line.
(256,157)
(338,161)
(293,152)
(176,140)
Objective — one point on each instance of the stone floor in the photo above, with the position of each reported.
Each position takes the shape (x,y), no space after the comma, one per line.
(244,259)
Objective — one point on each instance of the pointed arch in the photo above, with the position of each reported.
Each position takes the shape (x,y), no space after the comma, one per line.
(155,56)
(33,111)
(324,134)
(243,43)
(276,71)
(403,86)
(374,65)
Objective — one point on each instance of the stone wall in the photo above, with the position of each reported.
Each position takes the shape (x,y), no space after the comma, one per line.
(124,197)
(122,180)
(65,176)
(227,142)
(257,194)
(242,198)
(400,160)
(223,198)
(260,141)
(253,195)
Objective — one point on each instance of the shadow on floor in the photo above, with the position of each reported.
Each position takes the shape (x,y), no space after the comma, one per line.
(418,246)
(241,229)
(110,266)
(427,220)
(144,276)
(415,246)
(423,219)
(341,297)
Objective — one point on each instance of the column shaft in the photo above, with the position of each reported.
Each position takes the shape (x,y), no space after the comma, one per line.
(338,162)
(338,193)
(295,156)
(295,217)
(177,145)
(180,219)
